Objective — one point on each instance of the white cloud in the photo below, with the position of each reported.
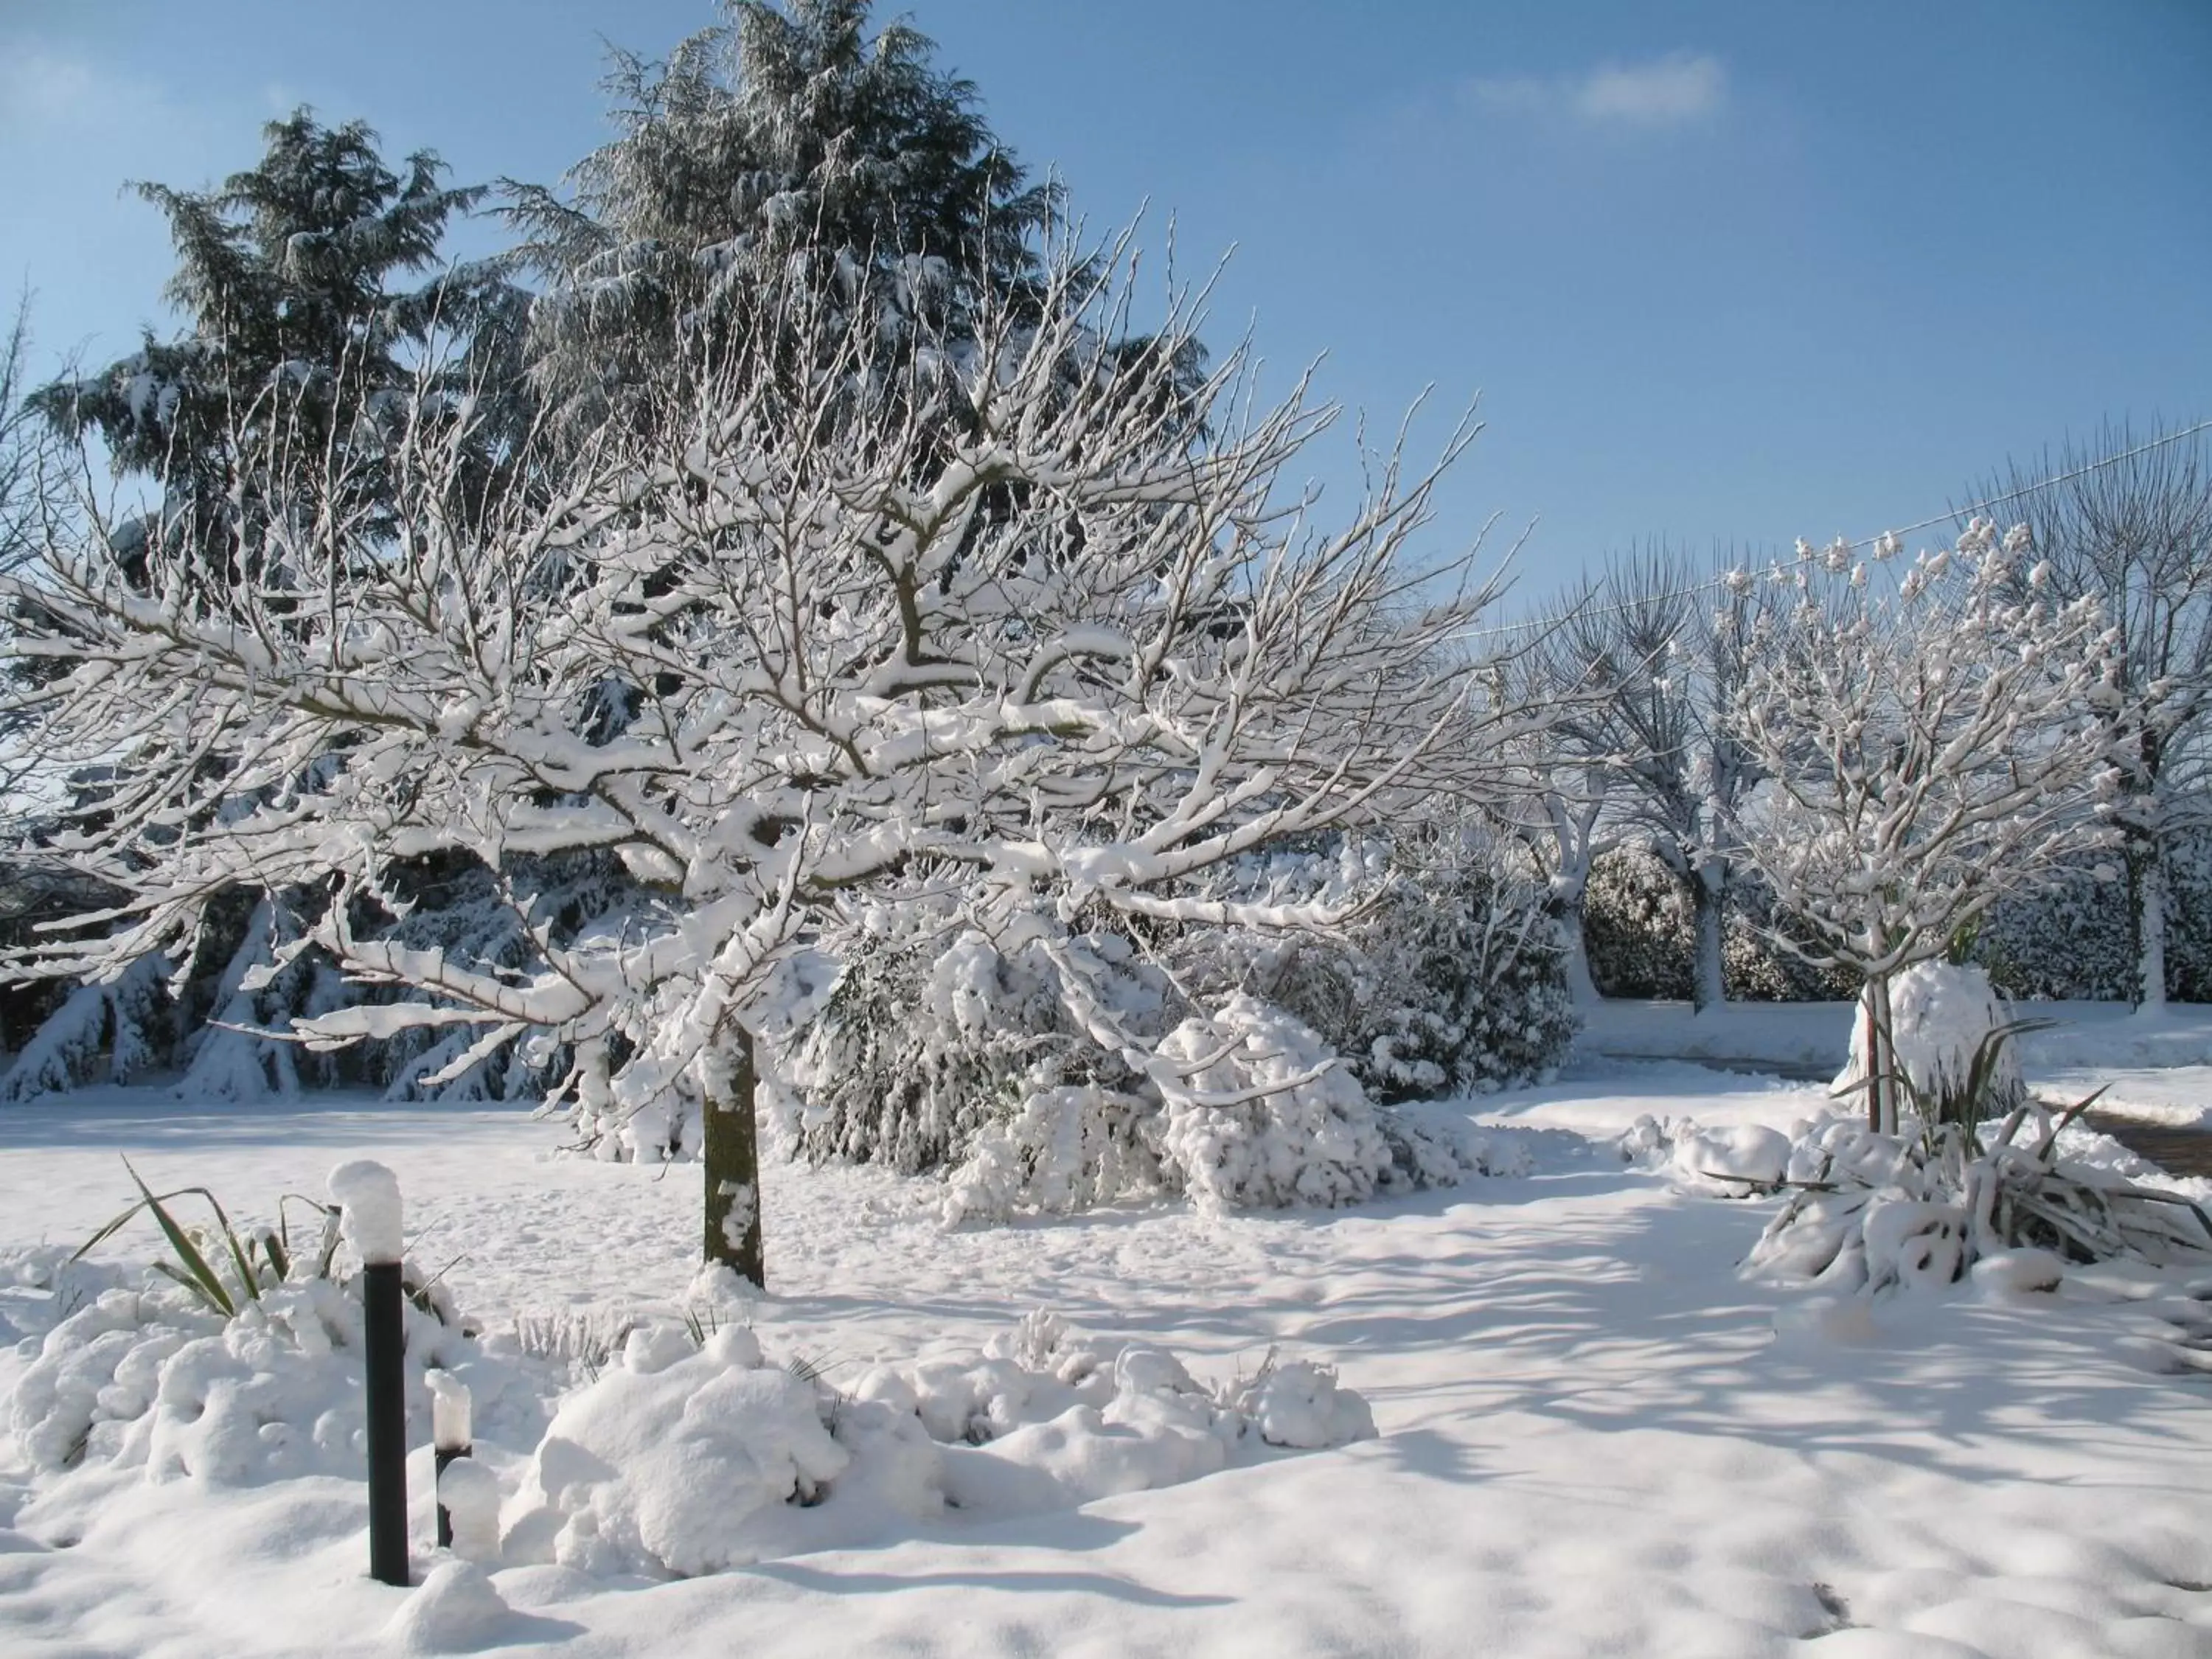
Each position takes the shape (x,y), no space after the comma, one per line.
(40,88)
(1674,90)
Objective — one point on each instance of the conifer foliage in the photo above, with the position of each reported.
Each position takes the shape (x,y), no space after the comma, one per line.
(785,138)
(303,337)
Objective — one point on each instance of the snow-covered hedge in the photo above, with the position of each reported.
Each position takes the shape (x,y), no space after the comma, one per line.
(2067,939)
(1640,933)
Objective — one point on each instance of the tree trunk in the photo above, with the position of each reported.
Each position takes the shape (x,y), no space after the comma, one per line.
(1708,980)
(730,1149)
(1882,1058)
(2149,896)
(1580,985)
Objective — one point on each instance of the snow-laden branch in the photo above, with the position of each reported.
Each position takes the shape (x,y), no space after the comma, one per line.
(1049,614)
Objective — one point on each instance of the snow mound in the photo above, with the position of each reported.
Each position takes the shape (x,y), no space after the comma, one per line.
(148,1379)
(716,1459)
(681,1460)
(1734,1160)
(455,1609)
(1940,1014)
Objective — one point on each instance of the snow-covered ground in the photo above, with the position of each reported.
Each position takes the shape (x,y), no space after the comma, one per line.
(1594,1438)
(2158,1067)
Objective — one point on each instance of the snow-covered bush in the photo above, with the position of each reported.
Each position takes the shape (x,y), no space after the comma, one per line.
(1261,1116)
(1640,930)
(932,1033)
(1950,1029)
(686,1458)
(147,1375)
(1870,1210)
(1450,979)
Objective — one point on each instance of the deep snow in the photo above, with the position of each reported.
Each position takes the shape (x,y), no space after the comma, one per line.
(1595,1437)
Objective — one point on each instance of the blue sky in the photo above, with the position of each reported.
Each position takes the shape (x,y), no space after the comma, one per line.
(1735,271)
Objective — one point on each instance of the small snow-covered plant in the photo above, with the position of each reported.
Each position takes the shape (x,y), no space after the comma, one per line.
(222,1267)
(1929,747)
(1872,1211)
(1951,1049)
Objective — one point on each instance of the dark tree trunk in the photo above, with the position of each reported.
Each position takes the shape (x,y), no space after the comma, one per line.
(730,1147)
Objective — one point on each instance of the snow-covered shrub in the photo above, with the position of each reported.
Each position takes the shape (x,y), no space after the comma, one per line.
(1950,1028)
(1872,1211)
(1450,979)
(150,1377)
(925,1044)
(1259,1114)
(1639,928)
(1060,1150)
(687,1458)
(2067,938)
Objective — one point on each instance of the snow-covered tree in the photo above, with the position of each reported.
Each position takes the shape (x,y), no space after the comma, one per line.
(1928,749)
(307,320)
(2135,533)
(787,133)
(1652,657)
(987,618)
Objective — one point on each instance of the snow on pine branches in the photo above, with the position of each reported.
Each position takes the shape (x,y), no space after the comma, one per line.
(990,614)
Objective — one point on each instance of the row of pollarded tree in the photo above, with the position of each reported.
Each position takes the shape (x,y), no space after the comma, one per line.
(1664,754)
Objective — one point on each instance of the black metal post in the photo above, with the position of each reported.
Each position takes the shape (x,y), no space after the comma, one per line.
(443,1456)
(385,1342)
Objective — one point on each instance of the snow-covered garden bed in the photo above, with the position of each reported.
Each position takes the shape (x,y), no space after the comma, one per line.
(1593,1434)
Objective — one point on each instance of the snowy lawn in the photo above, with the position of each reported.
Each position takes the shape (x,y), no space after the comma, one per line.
(2159,1066)
(1594,1438)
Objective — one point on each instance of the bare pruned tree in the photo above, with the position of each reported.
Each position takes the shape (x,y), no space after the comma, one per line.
(1655,653)
(2127,521)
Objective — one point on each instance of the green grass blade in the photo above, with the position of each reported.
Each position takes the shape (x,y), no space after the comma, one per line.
(188,1253)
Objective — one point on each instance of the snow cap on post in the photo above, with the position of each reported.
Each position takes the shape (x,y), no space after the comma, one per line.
(368,1193)
(450,1429)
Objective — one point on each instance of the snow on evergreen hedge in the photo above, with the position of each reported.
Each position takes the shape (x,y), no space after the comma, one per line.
(1639,929)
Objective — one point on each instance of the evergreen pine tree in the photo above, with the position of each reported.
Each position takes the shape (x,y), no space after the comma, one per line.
(787,144)
(304,343)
